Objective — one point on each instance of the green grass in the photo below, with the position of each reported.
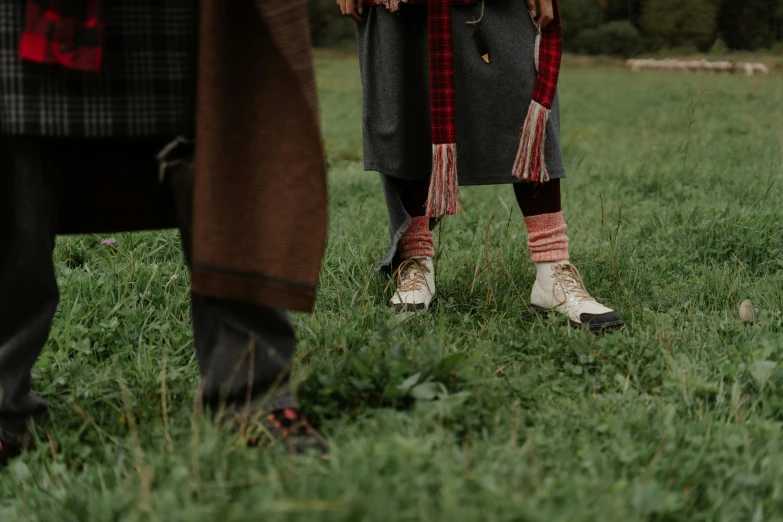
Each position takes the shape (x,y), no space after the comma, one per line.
(479,411)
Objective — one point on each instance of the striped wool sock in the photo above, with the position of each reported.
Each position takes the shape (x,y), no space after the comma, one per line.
(546,238)
(417,240)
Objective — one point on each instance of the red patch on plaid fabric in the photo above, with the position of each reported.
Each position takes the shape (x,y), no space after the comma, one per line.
(63,32)
(550,55)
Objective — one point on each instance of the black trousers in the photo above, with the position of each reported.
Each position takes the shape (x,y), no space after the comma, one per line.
(244,350)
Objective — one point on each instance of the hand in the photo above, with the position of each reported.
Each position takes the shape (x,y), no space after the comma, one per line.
(545,14)
(352,8)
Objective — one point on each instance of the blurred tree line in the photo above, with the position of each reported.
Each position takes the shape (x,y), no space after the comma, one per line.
(629,27)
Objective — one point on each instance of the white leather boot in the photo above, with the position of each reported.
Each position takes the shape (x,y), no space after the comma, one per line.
(415,285)
(559,288)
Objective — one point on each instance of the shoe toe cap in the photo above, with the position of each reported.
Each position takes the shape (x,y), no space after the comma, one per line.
(609,320)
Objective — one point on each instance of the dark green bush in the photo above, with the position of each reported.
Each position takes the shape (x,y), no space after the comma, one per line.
(328,26)
(579,16)
(751,24)
(676,23)
(613,26)
(614,38)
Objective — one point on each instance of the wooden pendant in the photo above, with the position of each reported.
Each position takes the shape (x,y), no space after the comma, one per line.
(481,43)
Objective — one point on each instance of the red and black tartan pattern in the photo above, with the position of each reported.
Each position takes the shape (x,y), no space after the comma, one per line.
(442,104)
(145,87)
(65,32)
(441,52)
(550,55)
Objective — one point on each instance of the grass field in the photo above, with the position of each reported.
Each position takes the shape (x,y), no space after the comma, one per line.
(479,411)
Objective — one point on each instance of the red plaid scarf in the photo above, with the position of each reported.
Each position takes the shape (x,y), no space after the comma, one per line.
(529,165)
(64,32)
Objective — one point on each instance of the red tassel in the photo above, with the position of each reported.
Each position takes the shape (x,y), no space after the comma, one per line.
(443,198)
(530,165)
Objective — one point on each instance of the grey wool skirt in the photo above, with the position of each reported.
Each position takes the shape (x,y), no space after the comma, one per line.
(491,99)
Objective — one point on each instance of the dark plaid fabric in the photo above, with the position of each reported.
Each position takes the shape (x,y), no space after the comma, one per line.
(146,83)
(550,54)
(444,125)
(65,32)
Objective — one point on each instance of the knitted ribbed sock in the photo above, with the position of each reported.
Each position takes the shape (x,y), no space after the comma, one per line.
(417,240)
(546,238)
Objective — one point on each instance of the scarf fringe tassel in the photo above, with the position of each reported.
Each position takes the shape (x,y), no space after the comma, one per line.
(443,197)
(391,5)
(529,165)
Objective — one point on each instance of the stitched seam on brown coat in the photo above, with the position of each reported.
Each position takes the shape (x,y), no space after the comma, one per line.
(253,275)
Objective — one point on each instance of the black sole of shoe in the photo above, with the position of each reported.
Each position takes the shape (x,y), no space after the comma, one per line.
(408,308)
(596,329)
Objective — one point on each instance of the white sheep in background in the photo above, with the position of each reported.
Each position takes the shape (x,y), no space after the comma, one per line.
(760,68)
(635,65)
(722,67)
(670,64)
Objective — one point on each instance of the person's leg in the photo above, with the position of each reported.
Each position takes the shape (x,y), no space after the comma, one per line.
(29,202)
(245,351)
(417,242)
(536,199)
(541,207)
(416,273)
(558,285)
(414,196)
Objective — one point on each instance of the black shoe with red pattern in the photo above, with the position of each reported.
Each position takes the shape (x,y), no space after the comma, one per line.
(291,429)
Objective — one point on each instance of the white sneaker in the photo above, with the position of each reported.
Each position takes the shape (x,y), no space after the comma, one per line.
(559,288)
(415,285)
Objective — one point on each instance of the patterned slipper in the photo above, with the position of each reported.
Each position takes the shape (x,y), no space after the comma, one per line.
(288,427)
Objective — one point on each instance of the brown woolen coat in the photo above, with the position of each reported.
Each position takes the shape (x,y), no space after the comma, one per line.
(260,216)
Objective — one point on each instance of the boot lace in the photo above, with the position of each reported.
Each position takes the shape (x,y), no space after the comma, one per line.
(569,279)
(411,276)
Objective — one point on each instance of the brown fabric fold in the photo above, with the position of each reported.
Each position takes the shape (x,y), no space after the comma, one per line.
(260,191)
